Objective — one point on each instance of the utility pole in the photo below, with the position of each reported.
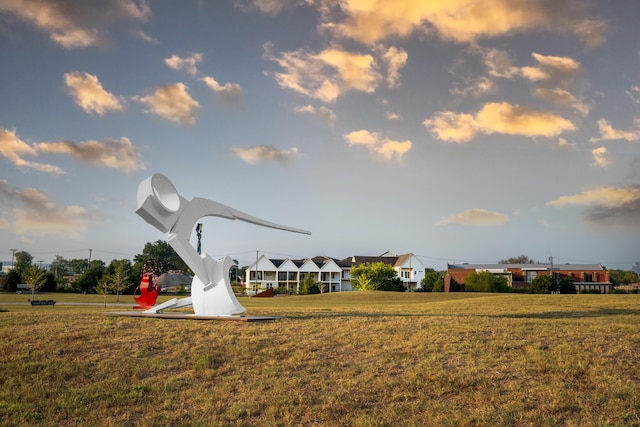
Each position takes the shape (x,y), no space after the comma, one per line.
(89,262)
(13,255)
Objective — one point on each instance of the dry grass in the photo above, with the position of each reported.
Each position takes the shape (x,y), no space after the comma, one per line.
(351,359)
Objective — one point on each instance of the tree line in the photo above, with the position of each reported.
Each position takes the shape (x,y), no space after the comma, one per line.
(120,276)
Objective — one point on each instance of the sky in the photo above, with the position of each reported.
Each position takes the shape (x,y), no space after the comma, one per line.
(457,130)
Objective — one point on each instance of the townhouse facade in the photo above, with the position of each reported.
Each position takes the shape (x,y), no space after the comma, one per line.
(332,274)
(586,277)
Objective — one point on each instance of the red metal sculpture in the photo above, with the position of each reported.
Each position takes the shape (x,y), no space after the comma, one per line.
(148,289)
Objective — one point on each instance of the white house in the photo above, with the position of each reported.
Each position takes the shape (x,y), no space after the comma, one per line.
(408,267)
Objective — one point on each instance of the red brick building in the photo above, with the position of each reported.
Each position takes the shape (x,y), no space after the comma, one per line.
(586,277)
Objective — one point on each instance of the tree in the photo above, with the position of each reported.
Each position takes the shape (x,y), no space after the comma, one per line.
(34,278)
(431,281)
(23,261)
(543,285)
(161,253)
(522,259)
(11,281)
(377,276)
(89,279)
(58,266)
(566,286)
(485,281)
(309,286)
(104,287)
(622,277)
(77,265)
(118,276)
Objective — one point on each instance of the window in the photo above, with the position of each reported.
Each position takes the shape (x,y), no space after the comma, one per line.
(588,277)
(252,275)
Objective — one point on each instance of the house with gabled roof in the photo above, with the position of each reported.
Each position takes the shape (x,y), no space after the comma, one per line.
(586,277)
(407,266)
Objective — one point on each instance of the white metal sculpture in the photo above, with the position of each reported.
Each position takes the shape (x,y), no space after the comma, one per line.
(161,206)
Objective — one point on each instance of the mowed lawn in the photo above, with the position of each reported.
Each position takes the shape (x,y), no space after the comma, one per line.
(341,359)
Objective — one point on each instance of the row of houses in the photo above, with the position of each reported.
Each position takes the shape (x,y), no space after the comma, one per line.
(334,274)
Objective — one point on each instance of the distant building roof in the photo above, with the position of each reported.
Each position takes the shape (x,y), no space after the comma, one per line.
(168,280)
(544,266)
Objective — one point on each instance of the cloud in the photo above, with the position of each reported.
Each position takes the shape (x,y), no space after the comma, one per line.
(116,154)
(327,74)
(265,152)
(38,216)
(608,133)
(376,144)
(271,7)
(229,93)
(634,94)
(328,116)
(476,218)
(140,34)
(492,118)
(395,59)
(392,116)
(611,205)
(14,149)
(188,64)
(475,87)
(461,21)
(75,23)
(564,98)
(601,157)
(89,94)
(172,102)
(553,71)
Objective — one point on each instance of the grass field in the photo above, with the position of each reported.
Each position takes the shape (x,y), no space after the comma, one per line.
(348,359)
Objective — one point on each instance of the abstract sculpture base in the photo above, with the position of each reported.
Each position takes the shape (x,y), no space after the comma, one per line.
(189,316)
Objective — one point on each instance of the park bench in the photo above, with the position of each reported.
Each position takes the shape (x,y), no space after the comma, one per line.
(43,302)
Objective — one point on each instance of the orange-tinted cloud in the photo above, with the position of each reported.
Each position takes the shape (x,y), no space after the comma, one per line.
(610,205)
(229,93)
(461,21)
(327,74)
(188,63)
(119,154)
(75,24)
(172,103)
(14,149)
(608,132)
(327,115)
(476,218)
(260,153)
(601,157)
(89,94)
(382,147)
(495,117)
(36,215)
